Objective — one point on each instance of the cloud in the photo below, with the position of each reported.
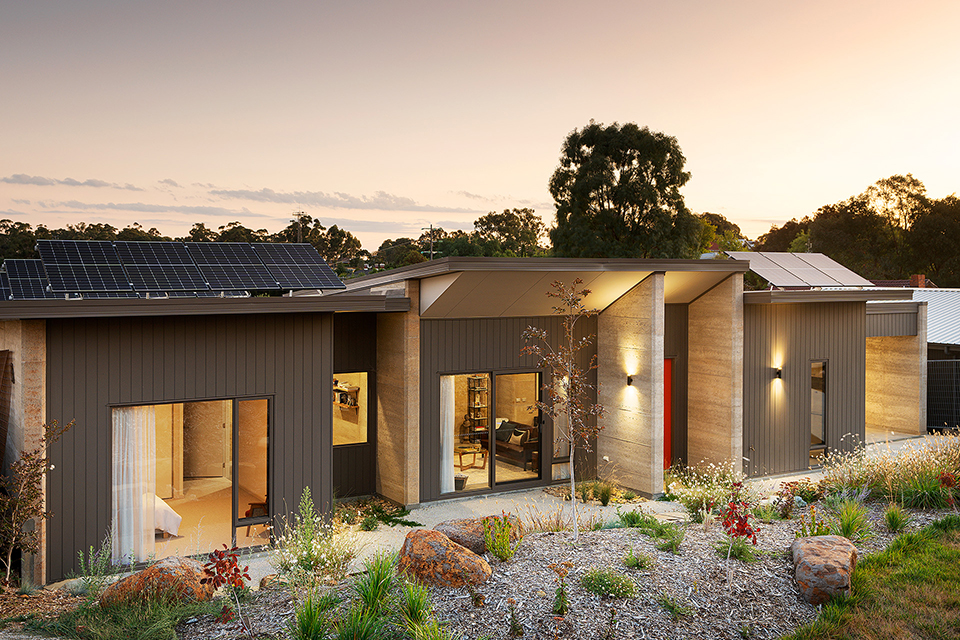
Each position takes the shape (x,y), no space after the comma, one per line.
(473,196)
(19,201)
(140,207)
(380,201)
(169,182)
(22,178)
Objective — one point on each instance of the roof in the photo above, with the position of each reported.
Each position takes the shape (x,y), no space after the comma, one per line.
(517,287)
(943,314)
(817,295)
(801,270)
(46,309)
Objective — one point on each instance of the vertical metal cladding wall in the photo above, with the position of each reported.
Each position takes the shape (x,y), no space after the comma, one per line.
(355,349)
(776,413)
(675,347)
(93,364)
(474,345)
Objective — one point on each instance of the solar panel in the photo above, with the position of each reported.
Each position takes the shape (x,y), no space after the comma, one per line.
(4,286)
(162,295)
(834,269)
(803,270)
(297,266)
(27,280)
(768,270)
(231,266)
(109,295)
(82,265)
(160,266)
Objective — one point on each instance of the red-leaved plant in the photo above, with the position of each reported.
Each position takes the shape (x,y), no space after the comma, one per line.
(737,522)
(223,570)
(948,482)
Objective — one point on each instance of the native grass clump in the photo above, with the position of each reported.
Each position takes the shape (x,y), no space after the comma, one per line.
(918,475)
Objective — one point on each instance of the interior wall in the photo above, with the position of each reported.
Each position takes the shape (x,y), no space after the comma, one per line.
(253,443)
(350,425)
(164,449)
(207,438)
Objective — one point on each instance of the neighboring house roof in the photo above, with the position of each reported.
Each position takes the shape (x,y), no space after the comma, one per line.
(903,283)
(799,270)
(943,314)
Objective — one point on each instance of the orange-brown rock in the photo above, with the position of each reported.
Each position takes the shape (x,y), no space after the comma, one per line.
(823,566)
(435,559)
(468,532)
(170,577)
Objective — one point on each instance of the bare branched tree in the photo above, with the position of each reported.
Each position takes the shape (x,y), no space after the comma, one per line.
(568,391)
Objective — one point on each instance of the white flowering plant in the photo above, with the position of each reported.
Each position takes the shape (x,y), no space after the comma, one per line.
(310,549)
(703,489)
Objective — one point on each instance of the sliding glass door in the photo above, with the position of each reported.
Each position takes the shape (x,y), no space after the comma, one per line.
(489,430)
(189,477)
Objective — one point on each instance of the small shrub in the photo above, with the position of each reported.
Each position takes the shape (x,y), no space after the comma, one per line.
(309,549)
(851,521)
(896,518)
(807,489)
(813,528)
(96,566)
(496,533)
(369,523)
(671,540)
(637,560)
(629,495)
(516,629)
(784,501)
(607,583)
(551,521)
(766,512)
(561,604)
(631,518)
(674,606)
(737,548)
(585,490)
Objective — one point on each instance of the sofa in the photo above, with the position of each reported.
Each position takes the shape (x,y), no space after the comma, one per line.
(516,443)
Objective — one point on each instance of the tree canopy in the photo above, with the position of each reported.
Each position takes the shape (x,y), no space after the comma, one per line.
(617,192)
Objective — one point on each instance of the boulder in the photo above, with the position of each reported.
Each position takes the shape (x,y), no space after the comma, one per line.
(823,566)
(468,532)
(176,577)
(437,560)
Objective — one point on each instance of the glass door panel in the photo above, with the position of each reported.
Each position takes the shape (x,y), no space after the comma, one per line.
(464,432)
(250,494)
(818,403)
(516,431)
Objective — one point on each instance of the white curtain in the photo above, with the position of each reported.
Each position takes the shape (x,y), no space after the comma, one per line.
(448,420)
(134,483)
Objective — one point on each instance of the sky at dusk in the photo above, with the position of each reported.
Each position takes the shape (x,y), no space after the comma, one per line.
(386,117)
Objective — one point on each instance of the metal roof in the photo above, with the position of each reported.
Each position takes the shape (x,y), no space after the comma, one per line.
(782,269)
(943,314)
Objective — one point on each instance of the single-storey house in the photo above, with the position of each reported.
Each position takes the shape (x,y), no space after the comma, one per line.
(200,420)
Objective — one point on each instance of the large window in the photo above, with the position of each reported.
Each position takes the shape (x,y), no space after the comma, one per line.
(489,430)
(189,477)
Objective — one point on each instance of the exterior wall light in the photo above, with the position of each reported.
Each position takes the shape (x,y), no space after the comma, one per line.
(779,374)
(629,381)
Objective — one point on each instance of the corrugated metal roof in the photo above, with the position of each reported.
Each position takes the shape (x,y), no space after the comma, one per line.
(783,269)
(943,314)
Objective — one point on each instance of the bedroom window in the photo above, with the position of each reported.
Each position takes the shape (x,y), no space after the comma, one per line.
(489,430)
(188,477)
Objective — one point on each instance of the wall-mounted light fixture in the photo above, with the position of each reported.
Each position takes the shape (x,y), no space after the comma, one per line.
(629,381)
(779,373)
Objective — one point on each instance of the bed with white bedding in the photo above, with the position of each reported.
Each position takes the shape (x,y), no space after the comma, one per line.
(165,518)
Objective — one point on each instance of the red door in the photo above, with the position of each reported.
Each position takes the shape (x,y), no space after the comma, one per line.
(667,409)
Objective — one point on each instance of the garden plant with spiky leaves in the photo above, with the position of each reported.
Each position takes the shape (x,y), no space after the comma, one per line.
(568,390)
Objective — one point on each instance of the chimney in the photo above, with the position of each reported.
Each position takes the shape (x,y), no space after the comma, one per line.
(918,281)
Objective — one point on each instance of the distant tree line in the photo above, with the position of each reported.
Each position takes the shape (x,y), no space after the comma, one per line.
(888,232)
(338,247)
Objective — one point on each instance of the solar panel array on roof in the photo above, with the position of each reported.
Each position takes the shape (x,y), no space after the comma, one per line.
(231,266)
(82,265)
(297,266)
(27,280)
(90,269)
(783,269)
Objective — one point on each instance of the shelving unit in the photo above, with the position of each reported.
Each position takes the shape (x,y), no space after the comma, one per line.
(478,402)
(346,392)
